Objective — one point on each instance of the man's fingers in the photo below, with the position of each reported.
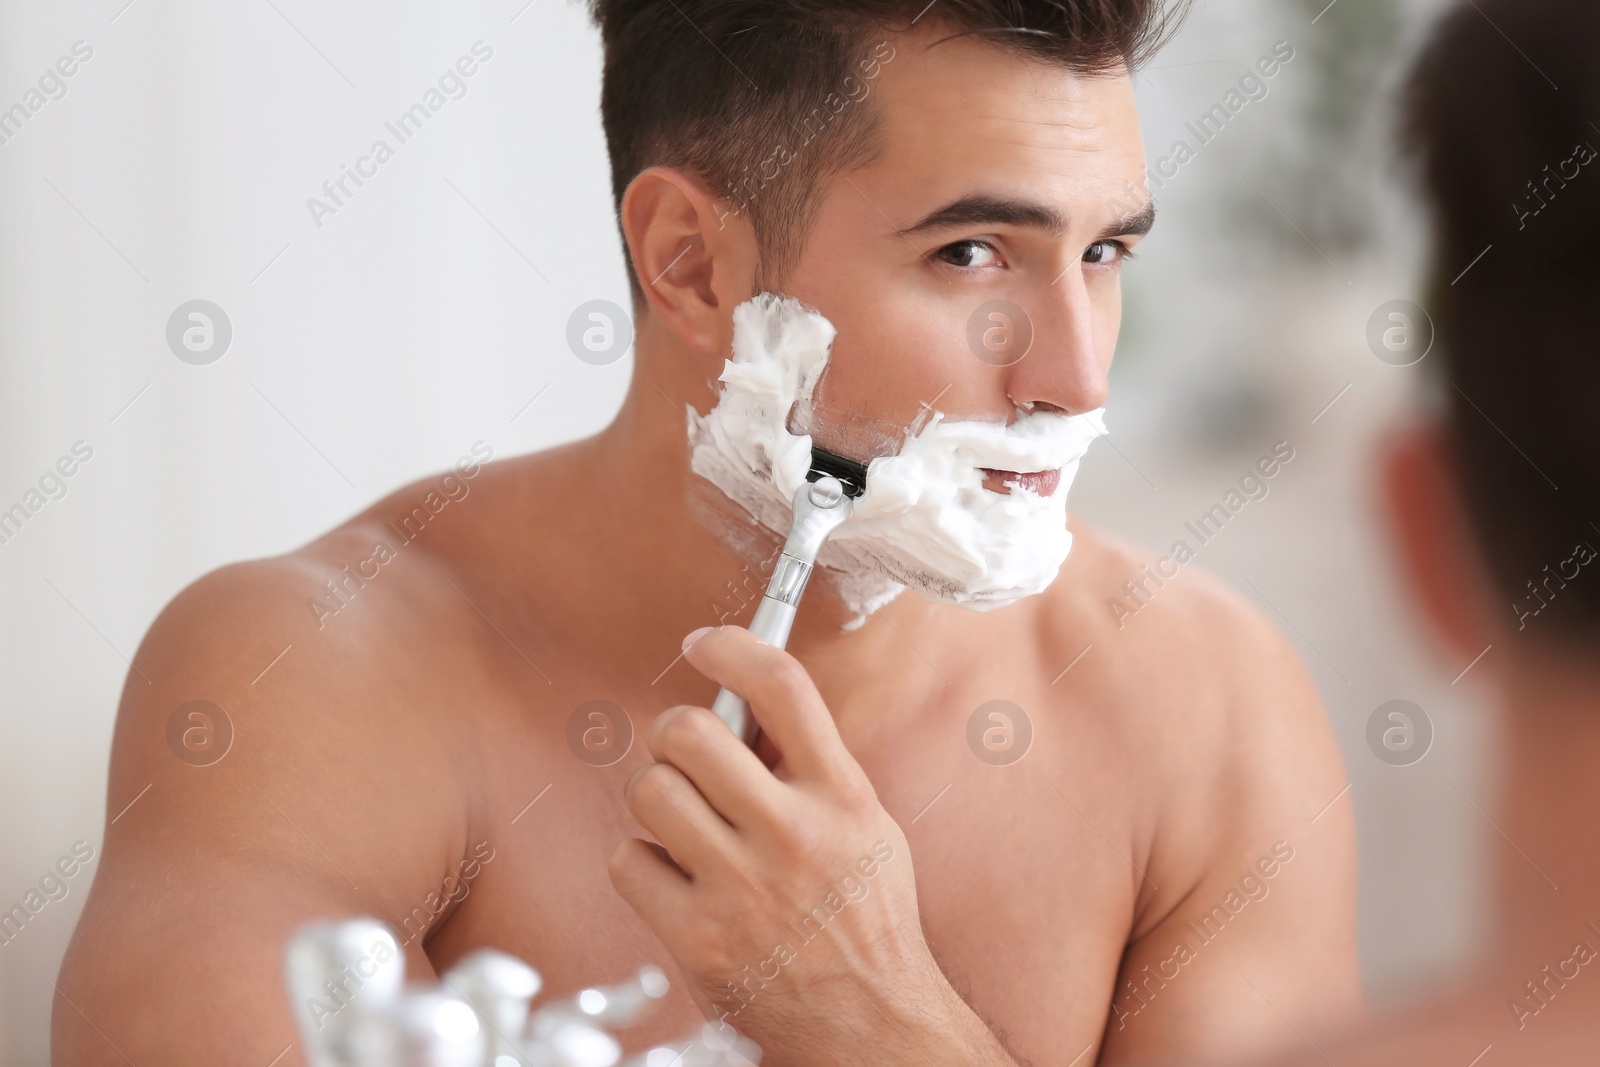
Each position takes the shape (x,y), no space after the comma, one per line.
(647,879)
(781,695)
(667,805)
(729,775)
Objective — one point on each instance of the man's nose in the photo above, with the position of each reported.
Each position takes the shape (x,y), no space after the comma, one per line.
(1069,355)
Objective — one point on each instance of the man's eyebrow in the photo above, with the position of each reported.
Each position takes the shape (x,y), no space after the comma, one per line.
(1136,224)
(979,209)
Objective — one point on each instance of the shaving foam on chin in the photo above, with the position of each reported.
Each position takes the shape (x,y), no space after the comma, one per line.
(925,520)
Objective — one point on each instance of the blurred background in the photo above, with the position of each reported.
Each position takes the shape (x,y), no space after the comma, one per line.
(369,345)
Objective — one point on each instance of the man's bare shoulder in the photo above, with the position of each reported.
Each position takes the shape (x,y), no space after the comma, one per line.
(244,623)
(323,681)
(1204,637)
(303,661)
(296,738)
(394,638)
(352,593)
(1228,727)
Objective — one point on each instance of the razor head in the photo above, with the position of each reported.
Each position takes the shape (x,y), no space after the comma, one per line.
(851,475)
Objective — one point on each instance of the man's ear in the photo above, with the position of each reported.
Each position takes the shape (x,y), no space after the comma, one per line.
(694,259)
(1438,551)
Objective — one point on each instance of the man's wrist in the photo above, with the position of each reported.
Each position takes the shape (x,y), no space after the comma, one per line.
(919,1021)
(963,1039)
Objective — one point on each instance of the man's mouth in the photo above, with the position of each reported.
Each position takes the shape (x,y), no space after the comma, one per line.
(1043,483)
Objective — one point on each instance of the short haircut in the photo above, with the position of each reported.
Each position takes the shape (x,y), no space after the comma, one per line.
(765,100)
(1510,168)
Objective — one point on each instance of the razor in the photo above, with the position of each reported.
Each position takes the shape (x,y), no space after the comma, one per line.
(821,505)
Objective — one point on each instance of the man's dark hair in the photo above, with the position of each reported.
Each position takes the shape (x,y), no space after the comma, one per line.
(765,100)
(1510,167)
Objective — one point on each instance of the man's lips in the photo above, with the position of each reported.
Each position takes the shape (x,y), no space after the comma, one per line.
(1043,483)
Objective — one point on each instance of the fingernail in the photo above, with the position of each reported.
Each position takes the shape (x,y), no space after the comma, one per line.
(697,635)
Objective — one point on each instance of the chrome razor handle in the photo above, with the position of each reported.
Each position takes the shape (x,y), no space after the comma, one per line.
(820,507)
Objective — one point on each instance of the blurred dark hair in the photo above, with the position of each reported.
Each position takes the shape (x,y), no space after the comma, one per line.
(716,87)
(1510,163)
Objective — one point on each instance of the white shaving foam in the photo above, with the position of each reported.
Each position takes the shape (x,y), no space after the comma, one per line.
(926,520)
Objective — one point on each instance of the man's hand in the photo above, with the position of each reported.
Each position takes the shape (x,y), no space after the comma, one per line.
(786,895)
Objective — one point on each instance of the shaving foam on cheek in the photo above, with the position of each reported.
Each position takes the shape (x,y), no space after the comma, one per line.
(925,519)
(743,445)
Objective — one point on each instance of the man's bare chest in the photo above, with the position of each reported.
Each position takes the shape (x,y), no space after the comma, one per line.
(1023,869)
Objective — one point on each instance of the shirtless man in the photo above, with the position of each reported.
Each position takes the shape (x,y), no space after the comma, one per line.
(1167,868)
(1495,507)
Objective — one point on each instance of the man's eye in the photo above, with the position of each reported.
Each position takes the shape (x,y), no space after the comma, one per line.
(1107,253)
(972,253)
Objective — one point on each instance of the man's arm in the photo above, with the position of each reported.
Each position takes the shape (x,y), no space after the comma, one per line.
(1260,940)
(321,806)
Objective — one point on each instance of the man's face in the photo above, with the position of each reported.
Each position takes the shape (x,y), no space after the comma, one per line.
(1016,145)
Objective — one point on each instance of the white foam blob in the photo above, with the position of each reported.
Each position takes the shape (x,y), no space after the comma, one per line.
(455,1022)
(926,520)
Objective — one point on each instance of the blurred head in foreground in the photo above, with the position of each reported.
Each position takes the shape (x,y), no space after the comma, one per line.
(1496,502)
(1499,512)
(1495,506)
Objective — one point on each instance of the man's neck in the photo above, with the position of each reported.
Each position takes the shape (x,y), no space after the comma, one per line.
(1549,862)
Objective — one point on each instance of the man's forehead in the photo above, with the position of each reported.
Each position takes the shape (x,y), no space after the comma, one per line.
(939,76)
(960,116)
